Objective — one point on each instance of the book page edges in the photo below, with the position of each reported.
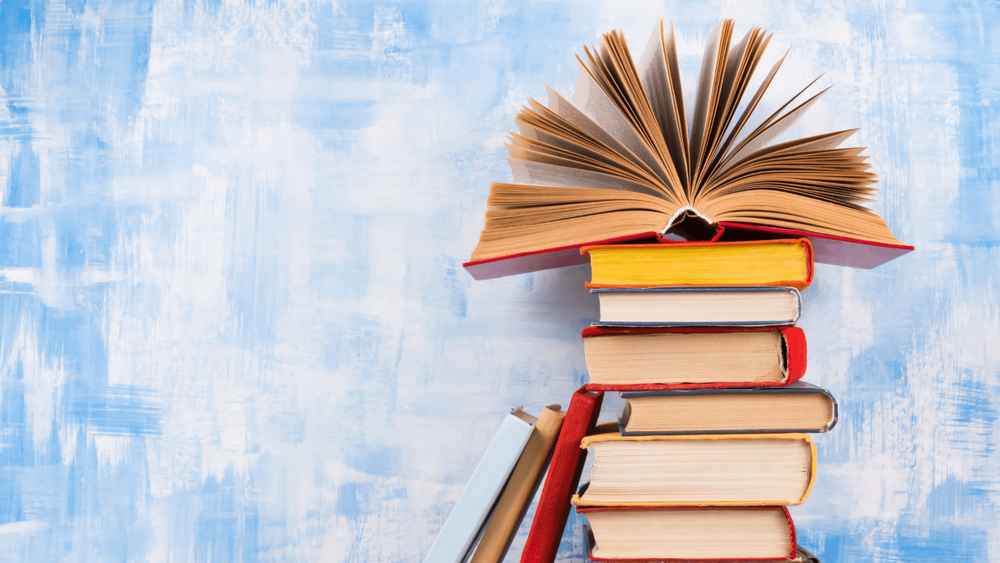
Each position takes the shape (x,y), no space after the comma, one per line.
(591,544)
(615,437)
(792,387)
(799,284)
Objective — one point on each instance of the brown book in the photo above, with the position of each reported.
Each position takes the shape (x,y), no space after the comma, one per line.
(632,359)
(799,407)
(521,487)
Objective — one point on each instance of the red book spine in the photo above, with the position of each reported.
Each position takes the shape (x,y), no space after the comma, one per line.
(563,477)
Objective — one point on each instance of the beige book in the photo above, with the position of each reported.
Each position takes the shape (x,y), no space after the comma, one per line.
(704,535)
(699,470)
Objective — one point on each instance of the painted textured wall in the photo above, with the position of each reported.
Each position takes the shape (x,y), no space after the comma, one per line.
(235,325)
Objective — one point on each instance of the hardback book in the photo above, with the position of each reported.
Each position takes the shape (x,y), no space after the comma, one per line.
(562,478)
(645,358)
(752,263)
(469,514)
(690,534)
(520,488)
(699,470)
(698,306)
(802,555)
(623,159)
(798,407)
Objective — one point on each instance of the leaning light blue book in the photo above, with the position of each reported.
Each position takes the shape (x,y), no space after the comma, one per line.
(699,306)
(473,508)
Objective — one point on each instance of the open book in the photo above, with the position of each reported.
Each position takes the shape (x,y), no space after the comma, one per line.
(623,160)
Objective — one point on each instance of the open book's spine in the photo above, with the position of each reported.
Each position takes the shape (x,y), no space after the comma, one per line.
(563,477)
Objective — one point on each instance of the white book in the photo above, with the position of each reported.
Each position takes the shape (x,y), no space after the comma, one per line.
(473,508)
(699,306)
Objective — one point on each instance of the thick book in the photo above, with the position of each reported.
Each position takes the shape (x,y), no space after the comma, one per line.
(698,306)
(469,514)
(798,407)
(785,262)
(647,358)
(802,555)
(521,487)
(622,160)
(699,470)
(562,479)
(689,534)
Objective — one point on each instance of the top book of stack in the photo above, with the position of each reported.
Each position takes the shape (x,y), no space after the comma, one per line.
(623,161)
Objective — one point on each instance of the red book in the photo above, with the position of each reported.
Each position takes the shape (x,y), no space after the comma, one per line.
(689,534)
(828,249)
(562,479)
(790,360)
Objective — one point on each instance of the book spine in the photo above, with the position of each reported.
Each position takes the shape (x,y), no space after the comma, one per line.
(565,468)
(836,410)
(795,353)
(623,419)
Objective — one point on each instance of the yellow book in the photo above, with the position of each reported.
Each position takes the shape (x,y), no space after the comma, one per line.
(783,262)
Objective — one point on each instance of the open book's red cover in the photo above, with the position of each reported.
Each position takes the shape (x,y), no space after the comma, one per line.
(838,251)
(590,544)
(562,479)
(795,356)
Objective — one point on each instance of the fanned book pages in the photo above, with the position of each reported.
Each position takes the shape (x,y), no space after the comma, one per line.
(623,159)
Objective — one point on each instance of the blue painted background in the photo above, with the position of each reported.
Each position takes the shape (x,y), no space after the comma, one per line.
(235,326)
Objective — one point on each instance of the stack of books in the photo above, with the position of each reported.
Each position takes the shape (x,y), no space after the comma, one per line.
(699,337)
(711,447)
